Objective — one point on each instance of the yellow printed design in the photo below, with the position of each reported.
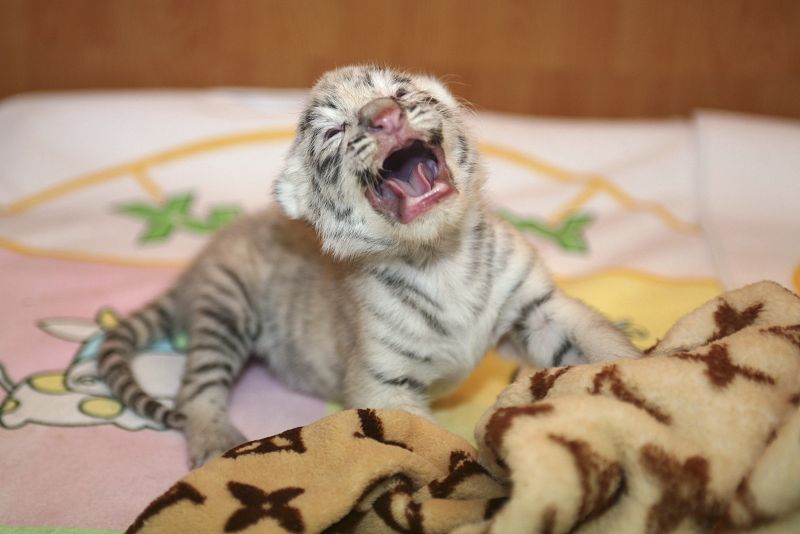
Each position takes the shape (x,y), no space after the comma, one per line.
(652,303)
(796,279)
(49,383)
(101,407)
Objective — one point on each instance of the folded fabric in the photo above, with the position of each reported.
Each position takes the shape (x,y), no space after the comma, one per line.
(702,434)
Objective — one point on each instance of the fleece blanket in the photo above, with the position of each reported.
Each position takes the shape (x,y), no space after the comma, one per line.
(104,197)
(702,434)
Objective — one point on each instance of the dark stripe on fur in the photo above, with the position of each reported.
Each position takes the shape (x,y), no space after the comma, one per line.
(463,150)
(366,79)
(164,318)
(121,337)
(485,273)
(520,326)
(214,366)
(526,271)
(355,140)
(151,332)
(113,380)
(432,322)
(403,296)
(340,233)
(137,396)
(341,214)
(558,356)
(366,177)
(402,351)
(488,260)
(220,290)
(305,121)
(230,312)
(328,167)
(129,392)
(219,382)
(535,304)
(209,346)
(402,381)
(502,260)
(331,102)
(361,149)
(472,167)
(105,353)
(151,408)
(126,325)
(118,385)
(400,286)
(252,327)
(237,281)
(507,300)
(429,99)
(205,331)
(392,324)
(476,248)
(121,365)
(314,147)
(436,137)
(227,319)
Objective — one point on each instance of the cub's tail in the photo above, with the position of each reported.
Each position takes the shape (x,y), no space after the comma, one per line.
(133,333)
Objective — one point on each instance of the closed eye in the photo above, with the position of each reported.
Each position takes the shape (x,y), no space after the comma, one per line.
(333,132)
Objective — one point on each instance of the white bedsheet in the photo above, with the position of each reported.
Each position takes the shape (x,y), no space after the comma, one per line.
(104,196)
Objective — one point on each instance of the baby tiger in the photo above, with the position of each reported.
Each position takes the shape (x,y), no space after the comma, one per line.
(383,280)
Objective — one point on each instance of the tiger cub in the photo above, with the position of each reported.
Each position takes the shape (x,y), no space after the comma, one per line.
(383,280)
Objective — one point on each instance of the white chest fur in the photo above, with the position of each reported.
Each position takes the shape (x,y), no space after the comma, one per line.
(435,321)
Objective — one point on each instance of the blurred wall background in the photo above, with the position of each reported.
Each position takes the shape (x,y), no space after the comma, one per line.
(604,58)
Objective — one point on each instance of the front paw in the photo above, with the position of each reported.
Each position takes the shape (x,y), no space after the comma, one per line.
(209,441)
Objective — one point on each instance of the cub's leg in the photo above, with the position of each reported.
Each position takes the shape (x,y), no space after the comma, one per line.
(554,329)
(203,399)
(381,381)
(221,338)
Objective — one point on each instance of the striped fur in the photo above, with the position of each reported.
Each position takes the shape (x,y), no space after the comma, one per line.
(344,302)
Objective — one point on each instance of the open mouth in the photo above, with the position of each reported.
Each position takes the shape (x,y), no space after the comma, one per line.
(413,179)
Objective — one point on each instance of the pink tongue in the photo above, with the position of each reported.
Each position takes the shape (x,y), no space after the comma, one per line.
(419,182)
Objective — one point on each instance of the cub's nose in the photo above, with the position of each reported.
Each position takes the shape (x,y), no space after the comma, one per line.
(382,115)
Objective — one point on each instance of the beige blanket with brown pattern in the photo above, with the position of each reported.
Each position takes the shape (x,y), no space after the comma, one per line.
(701,435)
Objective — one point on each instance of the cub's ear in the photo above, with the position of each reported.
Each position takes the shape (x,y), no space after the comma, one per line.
(291,189)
